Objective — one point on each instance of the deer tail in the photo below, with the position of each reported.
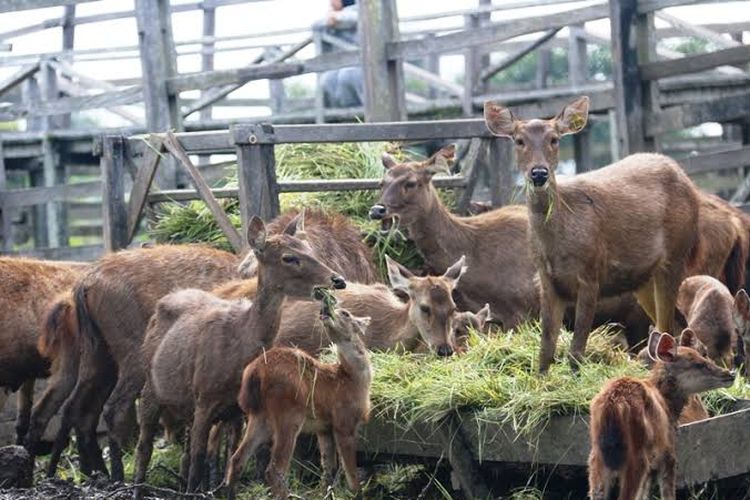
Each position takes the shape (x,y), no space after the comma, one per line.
(60,328)
(250,399)
(610,440)
(734,267)
(86,324)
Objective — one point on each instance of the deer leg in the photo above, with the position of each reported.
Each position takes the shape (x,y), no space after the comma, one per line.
(256,433)
(130,381)
(646,299)
(185,458)
(632,480)
(588,294)
(148,418)
(327,448)
(24,400)
(666,286)
(202,420)
(213,454)
(346,443)
(553,309)
(667,481)
(285,432)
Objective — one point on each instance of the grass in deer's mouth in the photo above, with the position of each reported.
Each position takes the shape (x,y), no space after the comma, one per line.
(497,381)
(327,301)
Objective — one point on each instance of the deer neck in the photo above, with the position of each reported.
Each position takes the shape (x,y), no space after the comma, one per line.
(407,333)
(546,214)
(666,384)
(265,313)
(354,361)
(440,236)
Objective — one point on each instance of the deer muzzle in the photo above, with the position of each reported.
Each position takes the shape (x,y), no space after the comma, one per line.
(378,212)
(444,350)
(339,282)
(539,176)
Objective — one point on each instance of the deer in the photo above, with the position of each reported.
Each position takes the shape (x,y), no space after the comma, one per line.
(128,285)
(626,227)
(466,321)
(198,344)
(27,288)
(286,391)
(426,318)
(500,268)
(718,319)
(633,421)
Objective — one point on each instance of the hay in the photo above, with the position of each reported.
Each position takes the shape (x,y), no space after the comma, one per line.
(497,381)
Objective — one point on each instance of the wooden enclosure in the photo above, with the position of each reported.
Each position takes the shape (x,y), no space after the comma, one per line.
(653,93)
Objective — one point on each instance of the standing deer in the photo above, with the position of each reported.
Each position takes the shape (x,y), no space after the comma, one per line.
(633,421)
(500,268)
(27,288)
(426,318)
(286,390)
(198,344)
(718,319)
(627,227)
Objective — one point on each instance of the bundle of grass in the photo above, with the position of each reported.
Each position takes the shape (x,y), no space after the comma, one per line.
(497,381)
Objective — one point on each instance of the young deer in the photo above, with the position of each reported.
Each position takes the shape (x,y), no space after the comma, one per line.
(465,321)
(426,318)
(199,344)
(633,421)
(627,227)
(286,390)
(718,319)
(500,268)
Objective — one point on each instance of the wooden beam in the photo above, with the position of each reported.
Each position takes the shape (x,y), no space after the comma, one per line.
(143,178)
(258,190)
(173,145)
(516,56)
(691,114)
(16,5)
(715,162)
(459,452)
(27,197)
(698,31)
(383,78)
(71,104)
(18,77)
(646,6)
(470,172)
(114,208)
(691,64)
(494,33)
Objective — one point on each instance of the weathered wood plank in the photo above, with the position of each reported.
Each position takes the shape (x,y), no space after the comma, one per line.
(16,5)
(173,145)
(114,208)
(258,191)
(501,164)
(142,182)
(70,104)
(714,162)
(691,64)
(516,56)
(687,115)
(17,198)
(470,172)
(19,76)
(646,6)
(698,31)
(459,450)
(494,33)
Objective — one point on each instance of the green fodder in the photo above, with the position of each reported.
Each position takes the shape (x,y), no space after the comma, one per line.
(496,381)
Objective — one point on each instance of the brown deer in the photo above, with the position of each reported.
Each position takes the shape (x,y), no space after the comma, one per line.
(27,288)
(627,227)
(198,344)
(500,268)
(718,319)
(633,421)
(426,318)
(286,390)
(465,321)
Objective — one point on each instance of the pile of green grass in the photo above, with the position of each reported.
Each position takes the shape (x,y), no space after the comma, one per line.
(496,380)
(193,222)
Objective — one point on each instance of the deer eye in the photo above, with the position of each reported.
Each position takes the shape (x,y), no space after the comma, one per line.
(410,184)
(346,314)
(425,309)
(554,141)
(519,143)
(290,259)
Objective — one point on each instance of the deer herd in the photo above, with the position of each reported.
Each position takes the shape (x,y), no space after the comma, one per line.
(205,341)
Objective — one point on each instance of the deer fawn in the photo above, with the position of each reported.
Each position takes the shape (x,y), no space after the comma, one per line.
(718,319)
(627,227)
(633,421)
(286,390)
(198,344)
(465,321)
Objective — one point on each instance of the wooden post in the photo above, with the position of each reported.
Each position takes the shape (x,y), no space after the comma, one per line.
(207,64)
(256,162)
(626,75)
(56,231)
(500,161)
(544,58)
(614,141)
(383,78)
(68,43)
(6,214)
(31,97)
(114,208)
(158,62)
(461,458)
(471,68)
(432,65)
(319,94)
(578,74)
(646,47)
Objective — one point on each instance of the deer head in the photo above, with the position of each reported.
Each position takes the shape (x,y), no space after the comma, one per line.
(431,306)
(286,261)
(465,321)
(690,372)
(406,189)
(537,141)
(342,326)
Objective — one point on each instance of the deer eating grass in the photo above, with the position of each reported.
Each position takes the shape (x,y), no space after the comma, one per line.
(426,318)
(198,344)
(500,268)
(718,319)
(633,421)
(286,391)
(627,227)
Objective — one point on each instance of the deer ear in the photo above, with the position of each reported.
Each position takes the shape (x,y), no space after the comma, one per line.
(741,310)
(256,234)
(688,338)
(388,161)
(440,162)
(397,275)
(572,119)
(483,315)
(499,119)
(364,322)
(296,225)
(666,348)
(457,270)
